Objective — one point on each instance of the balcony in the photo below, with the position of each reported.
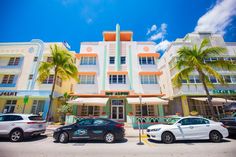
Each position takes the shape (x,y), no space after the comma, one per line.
(8,85)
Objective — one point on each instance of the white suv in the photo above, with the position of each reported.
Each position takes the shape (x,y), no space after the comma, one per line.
(19,126)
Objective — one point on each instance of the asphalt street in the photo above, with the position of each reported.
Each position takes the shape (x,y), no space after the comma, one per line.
(44,146)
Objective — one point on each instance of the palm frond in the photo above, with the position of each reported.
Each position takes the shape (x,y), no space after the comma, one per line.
(182,75)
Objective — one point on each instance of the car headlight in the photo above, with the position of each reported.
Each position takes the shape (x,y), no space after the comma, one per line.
(156,129)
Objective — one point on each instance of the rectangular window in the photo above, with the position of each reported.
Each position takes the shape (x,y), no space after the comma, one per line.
(14,61)
(49,59)
(49,80)
(90,111)
(227,79)
(86,79)
(38,106)
(233,78)
(194,79)
(112,60)
(213,79)
(146,60)
(148,79)
(35,59)
(59,81)
(9,106)
(147,110)
(30,76)
(8,79)
(117,79)
(123,60)
(88,61)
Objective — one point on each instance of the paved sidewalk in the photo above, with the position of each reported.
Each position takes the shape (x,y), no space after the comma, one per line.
(129,131)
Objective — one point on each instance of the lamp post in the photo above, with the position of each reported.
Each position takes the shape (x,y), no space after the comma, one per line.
(140,142)
(141,108)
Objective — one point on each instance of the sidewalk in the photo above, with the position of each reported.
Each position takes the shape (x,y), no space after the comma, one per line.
(129,131)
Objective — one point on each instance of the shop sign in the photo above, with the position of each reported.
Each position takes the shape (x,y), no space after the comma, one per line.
(224,91)
(8,93)
(117,93)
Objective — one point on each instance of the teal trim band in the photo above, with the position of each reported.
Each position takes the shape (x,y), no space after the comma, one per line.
(130,69)
(117,58)
(104,68)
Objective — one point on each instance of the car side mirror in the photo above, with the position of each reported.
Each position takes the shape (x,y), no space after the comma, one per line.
(178,124)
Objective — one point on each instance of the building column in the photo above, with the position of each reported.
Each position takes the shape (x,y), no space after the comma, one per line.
(161,110)
(117,58)
(185,106)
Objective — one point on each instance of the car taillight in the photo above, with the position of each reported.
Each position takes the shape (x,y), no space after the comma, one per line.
(119,125)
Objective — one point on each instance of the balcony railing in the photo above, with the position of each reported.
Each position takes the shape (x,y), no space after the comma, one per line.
(8,85)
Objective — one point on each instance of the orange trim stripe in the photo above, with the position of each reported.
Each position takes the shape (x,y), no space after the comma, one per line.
(85,55)
(87,73)
(157,55)
(150,73)
(124,36)
(117,72)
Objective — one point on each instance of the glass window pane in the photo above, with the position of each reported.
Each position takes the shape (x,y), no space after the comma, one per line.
(227,78)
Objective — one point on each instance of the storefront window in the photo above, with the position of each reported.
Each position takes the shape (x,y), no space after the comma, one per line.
(90,111)
(38,106)
(10,106)
(147,110)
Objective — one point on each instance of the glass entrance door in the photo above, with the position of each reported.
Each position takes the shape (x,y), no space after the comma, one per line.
(117,109)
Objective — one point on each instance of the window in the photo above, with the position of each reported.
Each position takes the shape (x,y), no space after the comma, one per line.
(122,60)
(38,106)
(233,78)
(148,79)
(8,79)
(194,79)
(191,79)
(49,80)
(88,61)
(9,106)
(186,121)
(146,60)
(35,59)
(14,61)
(117,79)
(30,76)
(100,122)
(86,79)
(213,79)
(117,102)
(193,121)
(227,79)
(85,122)
(147,110)
(90,110)
(112,60)
(35,118)
(59,81)
(10,118)
(49,59)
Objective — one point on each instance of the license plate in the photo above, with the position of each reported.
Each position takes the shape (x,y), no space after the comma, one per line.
(40,125)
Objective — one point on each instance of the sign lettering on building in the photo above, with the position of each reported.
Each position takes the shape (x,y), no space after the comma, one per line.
(117,93)
(224,91)
(8,93)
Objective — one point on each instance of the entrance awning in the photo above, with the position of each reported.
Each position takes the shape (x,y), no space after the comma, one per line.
(147,100)
(89,101)
(219,100)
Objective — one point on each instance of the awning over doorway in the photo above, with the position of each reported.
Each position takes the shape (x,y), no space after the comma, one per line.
(147,100)
(219,100)
(89,101)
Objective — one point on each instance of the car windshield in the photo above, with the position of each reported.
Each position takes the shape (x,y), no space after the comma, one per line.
(171,121)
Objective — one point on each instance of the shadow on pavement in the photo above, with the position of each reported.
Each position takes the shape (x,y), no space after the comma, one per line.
(232,137)
(28,139)
(83,142)
(189,142)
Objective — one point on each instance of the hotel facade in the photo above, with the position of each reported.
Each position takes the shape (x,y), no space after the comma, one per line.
(191,96)
(20,92)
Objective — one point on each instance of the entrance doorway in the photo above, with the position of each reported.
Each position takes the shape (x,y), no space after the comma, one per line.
(117,110)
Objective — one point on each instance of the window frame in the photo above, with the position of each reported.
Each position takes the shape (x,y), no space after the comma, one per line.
(112,60)
(148,79)
(86,79)
(114,79)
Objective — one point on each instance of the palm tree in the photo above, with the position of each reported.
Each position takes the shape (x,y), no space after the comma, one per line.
(62,65)
(194,59)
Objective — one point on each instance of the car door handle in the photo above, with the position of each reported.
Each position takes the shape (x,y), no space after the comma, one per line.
(191,127)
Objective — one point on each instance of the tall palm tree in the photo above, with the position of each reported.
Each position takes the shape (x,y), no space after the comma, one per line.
(62,65)
(194,59)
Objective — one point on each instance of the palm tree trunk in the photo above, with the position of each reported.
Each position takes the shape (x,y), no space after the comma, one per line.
(209,98)
(51,96)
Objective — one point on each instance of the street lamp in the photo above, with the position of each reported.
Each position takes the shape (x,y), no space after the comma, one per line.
(140,142)
(141,108)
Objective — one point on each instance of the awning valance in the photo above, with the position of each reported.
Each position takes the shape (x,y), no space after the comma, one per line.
(89,101)
(219,100)
(147,100)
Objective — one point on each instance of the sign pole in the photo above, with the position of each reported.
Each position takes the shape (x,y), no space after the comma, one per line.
(139,134)
(26,99)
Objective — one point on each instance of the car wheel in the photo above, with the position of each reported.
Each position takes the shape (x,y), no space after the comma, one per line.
(167,137)
(109,138)
(215,136)
(16,136)
(63,137)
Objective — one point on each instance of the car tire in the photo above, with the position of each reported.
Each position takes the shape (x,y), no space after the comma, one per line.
(167,137)
(109,137)
(63,137)
(215,136)
(16,135)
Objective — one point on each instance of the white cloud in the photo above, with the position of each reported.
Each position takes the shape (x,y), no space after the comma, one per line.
(217,18)
(163,45)
(155,34)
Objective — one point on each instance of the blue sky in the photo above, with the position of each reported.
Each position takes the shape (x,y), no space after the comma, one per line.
(75,21)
